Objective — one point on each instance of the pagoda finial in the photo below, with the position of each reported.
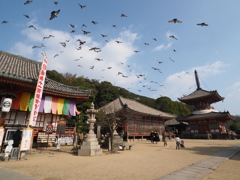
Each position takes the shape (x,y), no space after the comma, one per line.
(197,80)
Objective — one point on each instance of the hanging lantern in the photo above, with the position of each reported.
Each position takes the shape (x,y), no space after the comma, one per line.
(61,126)
(6,105)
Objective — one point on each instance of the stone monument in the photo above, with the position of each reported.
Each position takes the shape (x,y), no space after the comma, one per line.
(90,146)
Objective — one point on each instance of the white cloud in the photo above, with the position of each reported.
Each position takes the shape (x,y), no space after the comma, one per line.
(162,46)
(183,83)
(112,54)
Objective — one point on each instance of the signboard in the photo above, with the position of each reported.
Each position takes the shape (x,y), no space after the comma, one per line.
(49,129)
(26,139)
(14,153)
(1,135)
(6,105)
(38,92)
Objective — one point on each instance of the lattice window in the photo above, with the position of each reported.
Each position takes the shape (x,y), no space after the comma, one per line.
(11,117)
(40,120)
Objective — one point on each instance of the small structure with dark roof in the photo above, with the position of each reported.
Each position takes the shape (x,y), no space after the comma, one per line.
(204,119)
(142,119)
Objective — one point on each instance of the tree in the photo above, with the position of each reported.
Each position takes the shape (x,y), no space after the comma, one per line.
(113,120)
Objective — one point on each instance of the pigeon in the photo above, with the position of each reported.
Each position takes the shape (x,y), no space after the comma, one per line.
(85,32)
(91,67)
(73,26)
(56,3)
(81,6)
(55,55)
(175,21)
(94,22)
(118,42)
(4,22)
(63,44)
(202,24)
(54,14)
(173,37)
(83,25)
(146,43)
(98,59)
(114,26)
(28,2)
(31,26)
(73,31)
(26,16)
(123,15)
(104,35)
(136,51)
(154,39)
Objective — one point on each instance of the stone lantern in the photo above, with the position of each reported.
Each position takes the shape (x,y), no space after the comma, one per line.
(90,146)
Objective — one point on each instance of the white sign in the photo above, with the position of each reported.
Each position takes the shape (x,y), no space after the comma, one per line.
(38,93)
(26,139)
(1,135)
(6,105)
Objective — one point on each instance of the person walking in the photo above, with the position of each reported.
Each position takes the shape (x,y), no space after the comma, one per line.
(164,139)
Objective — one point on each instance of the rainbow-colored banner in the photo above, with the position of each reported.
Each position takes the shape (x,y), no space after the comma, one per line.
(48,104)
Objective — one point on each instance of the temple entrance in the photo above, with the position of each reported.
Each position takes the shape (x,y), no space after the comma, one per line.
(202,128)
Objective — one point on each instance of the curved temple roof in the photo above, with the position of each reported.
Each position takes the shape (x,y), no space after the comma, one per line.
(20,68)
(121,103)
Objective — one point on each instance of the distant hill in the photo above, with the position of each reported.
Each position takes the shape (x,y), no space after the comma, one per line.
(104,92)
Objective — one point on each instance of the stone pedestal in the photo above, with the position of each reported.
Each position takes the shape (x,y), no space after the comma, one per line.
(90,146)
(90,149)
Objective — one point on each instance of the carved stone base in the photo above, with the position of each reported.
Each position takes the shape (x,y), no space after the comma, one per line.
(90,149)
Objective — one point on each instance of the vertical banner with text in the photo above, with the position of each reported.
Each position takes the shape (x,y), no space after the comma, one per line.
(38,92)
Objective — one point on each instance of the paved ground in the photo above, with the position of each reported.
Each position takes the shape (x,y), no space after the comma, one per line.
(202,168)
(206,157)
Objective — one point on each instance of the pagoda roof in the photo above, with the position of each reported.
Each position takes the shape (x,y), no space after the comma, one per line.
(123,103)
(27,70)
(206,116)
(213,96)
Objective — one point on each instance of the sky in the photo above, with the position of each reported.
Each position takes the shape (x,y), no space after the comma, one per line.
(137,51)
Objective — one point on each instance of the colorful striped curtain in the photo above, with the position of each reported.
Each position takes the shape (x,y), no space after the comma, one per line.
(48,104)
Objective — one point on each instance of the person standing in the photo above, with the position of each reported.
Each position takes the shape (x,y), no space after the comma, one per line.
(156,139)
(152,136)
(17,137)
(164,138)
(177,142)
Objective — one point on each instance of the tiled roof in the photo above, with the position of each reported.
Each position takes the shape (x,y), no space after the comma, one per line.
(200,93)
(204,116)
(121,103)
(17,67)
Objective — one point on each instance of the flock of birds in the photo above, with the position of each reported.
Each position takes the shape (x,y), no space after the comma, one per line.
(55,14)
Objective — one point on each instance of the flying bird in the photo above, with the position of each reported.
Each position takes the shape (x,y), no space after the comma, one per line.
(91,67)
(174,50)
(98,59)
(31,26)
(55,55)
(109,67)
(160,62)
(73,26)
(94,22)
(83,25)
(86,32)
(202,24)
(123,15)
(28,2)
(56,3)
(81,6)
(171,59)
(154,39)
(26,16)
(114,26)
(63,44)
(54,14)
(118,42)
(146,43)
(73,31)
(173,37)
(136,51)
(155,68)
(4,22)
(104,35)
(175,21)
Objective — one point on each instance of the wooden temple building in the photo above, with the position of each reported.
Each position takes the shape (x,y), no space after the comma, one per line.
(204,121)
(18,79)
(141,119)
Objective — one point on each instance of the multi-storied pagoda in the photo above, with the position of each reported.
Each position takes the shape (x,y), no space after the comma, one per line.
(204,121)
